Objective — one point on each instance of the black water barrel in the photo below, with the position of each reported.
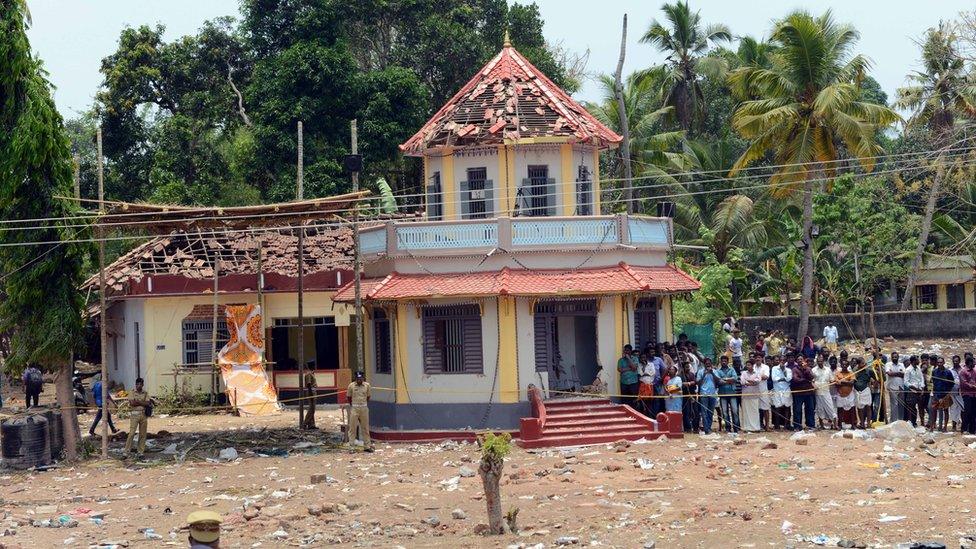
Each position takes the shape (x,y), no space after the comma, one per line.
(25,442)
(55,431)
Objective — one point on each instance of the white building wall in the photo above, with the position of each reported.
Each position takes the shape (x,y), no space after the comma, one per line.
(525,350)
(123,317)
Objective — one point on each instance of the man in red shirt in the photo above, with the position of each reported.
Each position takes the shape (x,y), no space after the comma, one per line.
(967,388)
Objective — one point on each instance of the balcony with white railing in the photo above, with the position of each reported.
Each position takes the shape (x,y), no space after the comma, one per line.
(478,236)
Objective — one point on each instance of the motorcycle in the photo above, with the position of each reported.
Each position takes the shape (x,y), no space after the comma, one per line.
(81,402)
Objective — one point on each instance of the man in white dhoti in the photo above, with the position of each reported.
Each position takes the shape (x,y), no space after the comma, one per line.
(822,380)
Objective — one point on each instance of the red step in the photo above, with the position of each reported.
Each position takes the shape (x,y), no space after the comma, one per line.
(587,439)
(580,422)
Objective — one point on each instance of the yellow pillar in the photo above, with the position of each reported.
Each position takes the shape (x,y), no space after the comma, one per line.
(941,297)
(596,181)
(505,189)
(568,187)
(620,321)
(448,185)
(513,181)
(970,296)
(508,389)
(400,354)
(668,321)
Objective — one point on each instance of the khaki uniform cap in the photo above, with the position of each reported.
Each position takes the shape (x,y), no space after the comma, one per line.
(204,526)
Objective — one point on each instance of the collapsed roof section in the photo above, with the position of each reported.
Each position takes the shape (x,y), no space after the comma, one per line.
(509,100)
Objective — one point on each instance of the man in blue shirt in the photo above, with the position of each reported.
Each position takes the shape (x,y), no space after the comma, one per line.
(654,358)
(708,382)
(97,391)
(728,380)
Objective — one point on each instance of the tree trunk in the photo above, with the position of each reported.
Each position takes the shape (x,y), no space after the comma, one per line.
(923,237)
(807,292)
(491,474)
(618,89)
(69,415)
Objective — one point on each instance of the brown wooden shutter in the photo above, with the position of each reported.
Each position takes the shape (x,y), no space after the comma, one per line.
(473,356)
(433,350)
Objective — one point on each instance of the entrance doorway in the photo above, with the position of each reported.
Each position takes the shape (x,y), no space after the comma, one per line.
(321,351)
(566,343)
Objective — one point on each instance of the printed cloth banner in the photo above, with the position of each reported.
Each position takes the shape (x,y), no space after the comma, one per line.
(247,384)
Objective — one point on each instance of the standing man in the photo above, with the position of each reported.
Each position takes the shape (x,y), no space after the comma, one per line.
(765,396)
(97,392)
(33,384)
(708,383)
(830,337)
(735,349)
(728,379)
(914,386)
(862,388)
(138,402)
(781,401)
(895,371)
(308,422)
(804,398)
(822,380)
(967,388)
(629,376)
(357,395)
(656,362)
(955,411)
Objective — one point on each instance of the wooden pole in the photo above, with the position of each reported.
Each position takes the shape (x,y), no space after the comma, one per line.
(356,266)
(213,330)
(300,194)
(103,309)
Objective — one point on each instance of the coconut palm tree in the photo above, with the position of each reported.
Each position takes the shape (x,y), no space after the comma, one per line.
(686,42)
(940,94)
(806,104)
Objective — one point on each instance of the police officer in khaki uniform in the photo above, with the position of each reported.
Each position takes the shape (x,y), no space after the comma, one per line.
(138,401)
(357,395)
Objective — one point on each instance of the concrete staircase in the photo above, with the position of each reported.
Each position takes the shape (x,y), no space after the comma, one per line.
(578,422)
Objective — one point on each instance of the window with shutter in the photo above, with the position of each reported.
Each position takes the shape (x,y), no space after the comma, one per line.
(477,192)
(541,192)
(198,345)
(645,322)
(435,201)
(452,340)
(383,342)
(584,192)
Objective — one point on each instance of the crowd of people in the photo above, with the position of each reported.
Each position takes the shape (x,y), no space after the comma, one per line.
(776,385)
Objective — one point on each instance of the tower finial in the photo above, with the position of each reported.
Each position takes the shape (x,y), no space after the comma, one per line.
(508,43)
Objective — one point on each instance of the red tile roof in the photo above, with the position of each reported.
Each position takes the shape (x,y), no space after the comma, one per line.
(509,98)
(622,278)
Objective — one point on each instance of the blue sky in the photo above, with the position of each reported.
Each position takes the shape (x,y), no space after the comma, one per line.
(72,36)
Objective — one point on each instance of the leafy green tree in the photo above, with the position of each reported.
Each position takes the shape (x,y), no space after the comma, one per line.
(41,308)
(867,234)
(686,42)
(807,103)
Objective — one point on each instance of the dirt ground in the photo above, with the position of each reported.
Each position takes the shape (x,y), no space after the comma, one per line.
(288,489)
(696,492)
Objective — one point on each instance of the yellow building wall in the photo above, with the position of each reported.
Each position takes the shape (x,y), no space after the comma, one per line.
(668,320)
(400,365)
(942,297)
(162,329)
(568,186)
(448,186)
